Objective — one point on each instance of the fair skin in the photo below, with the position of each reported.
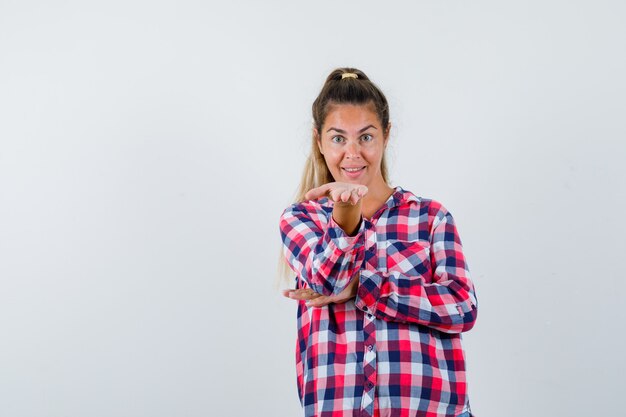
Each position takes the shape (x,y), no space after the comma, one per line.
(353,143)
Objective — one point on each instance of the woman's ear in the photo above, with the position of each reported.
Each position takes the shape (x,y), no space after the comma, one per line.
(386,135)
(318,140)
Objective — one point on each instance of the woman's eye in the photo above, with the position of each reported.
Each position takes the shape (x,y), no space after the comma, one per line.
(367,138)
(337,139)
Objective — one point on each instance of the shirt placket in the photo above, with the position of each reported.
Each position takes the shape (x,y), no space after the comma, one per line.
(369,331)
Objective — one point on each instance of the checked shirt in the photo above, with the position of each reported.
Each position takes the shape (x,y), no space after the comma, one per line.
(394,350)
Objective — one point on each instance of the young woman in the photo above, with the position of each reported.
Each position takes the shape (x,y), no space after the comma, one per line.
(383,288)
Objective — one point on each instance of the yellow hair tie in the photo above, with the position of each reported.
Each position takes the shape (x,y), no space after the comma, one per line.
(348,75)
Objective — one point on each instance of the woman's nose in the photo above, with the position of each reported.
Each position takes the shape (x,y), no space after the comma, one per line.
(352,150)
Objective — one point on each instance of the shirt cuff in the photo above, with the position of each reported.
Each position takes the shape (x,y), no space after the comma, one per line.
(368,291)
(341,239)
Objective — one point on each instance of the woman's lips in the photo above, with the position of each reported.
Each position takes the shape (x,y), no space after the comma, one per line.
(353,172)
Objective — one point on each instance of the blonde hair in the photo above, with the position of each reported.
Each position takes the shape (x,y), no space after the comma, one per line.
(336,90)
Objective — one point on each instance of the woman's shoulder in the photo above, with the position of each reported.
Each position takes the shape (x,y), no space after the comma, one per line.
(403,195)
(429,205)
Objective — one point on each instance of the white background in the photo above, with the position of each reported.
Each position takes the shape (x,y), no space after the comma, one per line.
(148,148)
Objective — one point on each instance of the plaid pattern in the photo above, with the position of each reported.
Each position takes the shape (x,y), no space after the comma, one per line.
(395,350)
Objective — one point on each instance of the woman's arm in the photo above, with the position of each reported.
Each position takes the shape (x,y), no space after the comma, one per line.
(325,251)
(347,204)
(447,303)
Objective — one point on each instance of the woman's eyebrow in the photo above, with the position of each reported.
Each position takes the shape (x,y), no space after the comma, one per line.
(343,131)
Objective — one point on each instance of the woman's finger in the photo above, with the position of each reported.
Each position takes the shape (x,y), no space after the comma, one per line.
(354,196)
(335,195)
(303,294)
(320,301)
(317,192)
(345,195)
(338,192)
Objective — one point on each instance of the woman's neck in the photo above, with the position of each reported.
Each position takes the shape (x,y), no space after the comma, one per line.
(376,196)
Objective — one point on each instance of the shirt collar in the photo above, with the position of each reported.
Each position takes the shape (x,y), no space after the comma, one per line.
(400,196)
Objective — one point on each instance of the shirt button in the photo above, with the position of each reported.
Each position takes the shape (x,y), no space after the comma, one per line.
(370,347)
(370,385)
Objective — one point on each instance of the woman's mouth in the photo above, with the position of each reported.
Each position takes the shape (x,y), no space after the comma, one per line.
(353,172)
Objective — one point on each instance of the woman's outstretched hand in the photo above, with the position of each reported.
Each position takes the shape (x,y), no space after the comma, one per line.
(314,299)
(339,192)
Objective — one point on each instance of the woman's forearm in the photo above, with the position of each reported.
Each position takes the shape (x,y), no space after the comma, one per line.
(348,216)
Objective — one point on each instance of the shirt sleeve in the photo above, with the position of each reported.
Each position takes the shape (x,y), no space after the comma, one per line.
(318,250)
(446,303)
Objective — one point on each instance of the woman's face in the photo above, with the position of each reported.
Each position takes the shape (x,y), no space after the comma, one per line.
(353,143)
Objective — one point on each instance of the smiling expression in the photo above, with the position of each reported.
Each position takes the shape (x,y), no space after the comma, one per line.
(353,144)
